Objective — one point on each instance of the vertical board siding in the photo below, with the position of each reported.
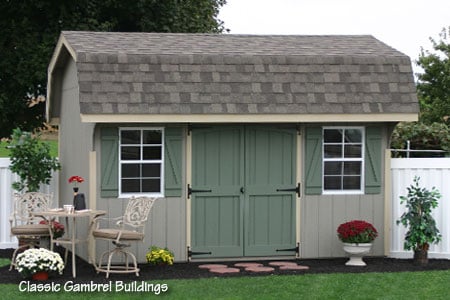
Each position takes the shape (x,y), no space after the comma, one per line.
(321,215)
(6,193)
(166,219)
(432,172)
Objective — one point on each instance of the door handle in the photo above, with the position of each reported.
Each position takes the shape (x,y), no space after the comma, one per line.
(296,189)
(242,190)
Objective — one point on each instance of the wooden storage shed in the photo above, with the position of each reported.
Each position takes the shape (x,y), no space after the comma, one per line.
(260,146)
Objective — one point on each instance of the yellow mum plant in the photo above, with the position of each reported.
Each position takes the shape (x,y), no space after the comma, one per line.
(159,256)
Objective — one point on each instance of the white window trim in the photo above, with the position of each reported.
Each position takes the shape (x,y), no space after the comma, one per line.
(362,159)
(161,161)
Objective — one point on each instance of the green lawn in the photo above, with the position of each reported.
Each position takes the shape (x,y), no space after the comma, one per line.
(4,152)
(407,285)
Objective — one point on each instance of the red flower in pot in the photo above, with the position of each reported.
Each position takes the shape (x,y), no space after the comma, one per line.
(76,179)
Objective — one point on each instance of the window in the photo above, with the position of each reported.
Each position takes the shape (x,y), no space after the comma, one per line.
(141,161)
(343,160)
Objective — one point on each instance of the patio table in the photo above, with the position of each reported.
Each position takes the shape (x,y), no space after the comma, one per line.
(71,238)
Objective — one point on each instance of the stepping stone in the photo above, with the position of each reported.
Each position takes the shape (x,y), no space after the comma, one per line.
(260,269)
(282,263)
(294,267)
(248,265)
(224,270)
(212,266)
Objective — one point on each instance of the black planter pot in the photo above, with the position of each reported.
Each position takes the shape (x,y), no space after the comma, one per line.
(79,201)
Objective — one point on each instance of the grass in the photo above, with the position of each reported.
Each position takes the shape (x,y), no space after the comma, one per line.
(4,262)
(4,152)
(406,285)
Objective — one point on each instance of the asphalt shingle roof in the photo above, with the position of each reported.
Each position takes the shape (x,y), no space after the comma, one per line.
(164,73)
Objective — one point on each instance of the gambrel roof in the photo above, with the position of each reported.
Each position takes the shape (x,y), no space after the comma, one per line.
(223,75)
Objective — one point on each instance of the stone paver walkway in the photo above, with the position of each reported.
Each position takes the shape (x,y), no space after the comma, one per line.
(253,267)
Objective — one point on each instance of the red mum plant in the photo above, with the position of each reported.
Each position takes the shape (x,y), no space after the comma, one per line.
(76,179)
(57,228)
(357,232)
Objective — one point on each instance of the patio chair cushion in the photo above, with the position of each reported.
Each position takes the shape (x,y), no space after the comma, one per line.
(31,229)
(112,234)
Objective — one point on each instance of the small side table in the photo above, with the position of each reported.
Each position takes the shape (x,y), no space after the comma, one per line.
(71,229)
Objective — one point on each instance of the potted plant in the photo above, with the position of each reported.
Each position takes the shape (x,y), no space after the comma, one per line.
(159,256)
(57,228)
(79,201)
(357,237)
(422,229)
(38,262)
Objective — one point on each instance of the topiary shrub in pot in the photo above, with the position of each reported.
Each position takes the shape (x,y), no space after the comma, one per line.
(422,229)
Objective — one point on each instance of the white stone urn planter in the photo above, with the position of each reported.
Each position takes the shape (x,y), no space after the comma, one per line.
(356,253)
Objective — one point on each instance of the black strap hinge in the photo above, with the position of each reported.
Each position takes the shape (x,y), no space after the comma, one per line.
(191,253)
(297,189)
(296,249)
(190,191)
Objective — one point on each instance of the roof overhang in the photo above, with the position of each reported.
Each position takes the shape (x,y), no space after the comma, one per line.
(63,50)
(246,118)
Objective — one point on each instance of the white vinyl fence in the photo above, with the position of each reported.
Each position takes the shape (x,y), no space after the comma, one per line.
(6,192)
(432,172)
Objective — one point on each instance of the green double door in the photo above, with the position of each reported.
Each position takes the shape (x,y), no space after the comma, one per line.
(242,195)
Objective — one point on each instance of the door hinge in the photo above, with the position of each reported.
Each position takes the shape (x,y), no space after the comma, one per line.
(190,191)
(297,189)
(191,253)
(296,249)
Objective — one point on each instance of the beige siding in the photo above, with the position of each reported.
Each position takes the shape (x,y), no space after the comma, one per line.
(322,214)
(75,139)
(166,226)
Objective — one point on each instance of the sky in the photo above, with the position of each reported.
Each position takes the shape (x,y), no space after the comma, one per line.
(405,25)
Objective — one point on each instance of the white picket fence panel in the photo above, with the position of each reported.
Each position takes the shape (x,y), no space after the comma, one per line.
(432,172)
(6,193)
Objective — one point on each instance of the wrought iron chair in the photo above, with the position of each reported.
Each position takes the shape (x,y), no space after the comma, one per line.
(25,224)
(129,228)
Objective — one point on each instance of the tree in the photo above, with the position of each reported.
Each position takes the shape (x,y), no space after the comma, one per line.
(31,161)
(29,31)
(433,85)
(435,136)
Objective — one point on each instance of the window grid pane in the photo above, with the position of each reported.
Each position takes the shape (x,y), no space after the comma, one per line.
(342,159)
(141,160)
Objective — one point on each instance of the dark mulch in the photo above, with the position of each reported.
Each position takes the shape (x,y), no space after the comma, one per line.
(86,272)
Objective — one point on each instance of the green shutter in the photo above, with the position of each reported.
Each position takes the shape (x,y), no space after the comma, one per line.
(373,160)
(172,161)
(313,161)
(109,162)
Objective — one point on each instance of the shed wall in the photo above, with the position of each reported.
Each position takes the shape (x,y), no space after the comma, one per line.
(322,214)
(166,226)
(75,140)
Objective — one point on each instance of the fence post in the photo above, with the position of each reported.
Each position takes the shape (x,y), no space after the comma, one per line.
(387,202)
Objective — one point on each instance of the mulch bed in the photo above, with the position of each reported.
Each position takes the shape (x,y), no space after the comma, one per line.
(86,272)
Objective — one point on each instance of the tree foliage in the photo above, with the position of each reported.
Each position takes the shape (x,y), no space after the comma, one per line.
(421,137)
(433,90)
(433,85)
(31,161)
(29,31)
